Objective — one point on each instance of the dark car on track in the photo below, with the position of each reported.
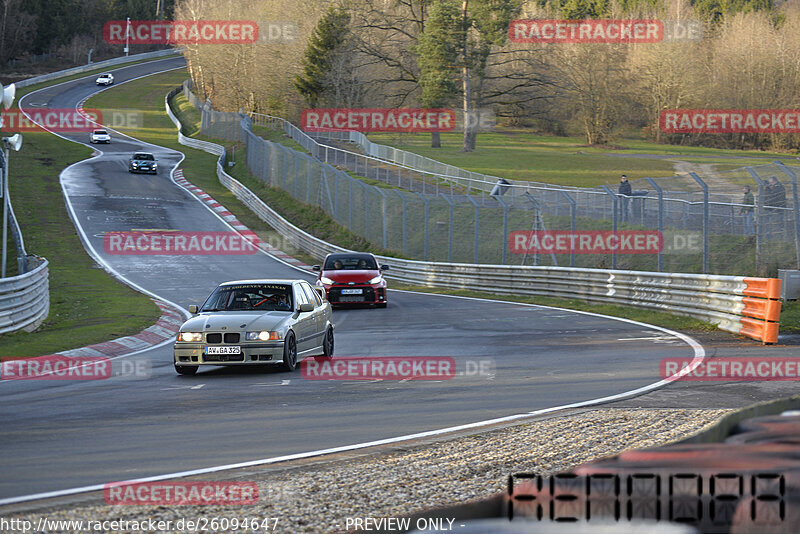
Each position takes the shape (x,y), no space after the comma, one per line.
(143,162)
(352,278)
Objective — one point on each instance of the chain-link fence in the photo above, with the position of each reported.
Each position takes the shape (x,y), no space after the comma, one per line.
(445,217)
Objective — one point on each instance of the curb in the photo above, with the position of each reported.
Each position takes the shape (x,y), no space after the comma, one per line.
(231,219)
(164,329)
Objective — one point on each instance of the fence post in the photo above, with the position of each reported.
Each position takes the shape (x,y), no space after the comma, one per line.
(296,157)
(505,226)
(267,175)
(366,209)
(613,221)
(660,193)
(383,210)
(351,202)
(426,224)
(705,219)
(477,227)
(308,180)
(285,166)
(796,208)
(573,207)
(403,198)
(450,230)
(759,214)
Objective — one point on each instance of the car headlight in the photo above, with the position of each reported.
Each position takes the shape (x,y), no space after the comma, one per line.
(327,281)
(264,335)
(155,165)
(190,336)
(134,164)
(376,280)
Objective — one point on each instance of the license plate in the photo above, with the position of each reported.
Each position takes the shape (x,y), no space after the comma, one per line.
(352,291)
(223,350)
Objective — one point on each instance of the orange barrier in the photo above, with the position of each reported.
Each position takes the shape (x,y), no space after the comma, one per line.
(762,313)
(767,310)
(765,288)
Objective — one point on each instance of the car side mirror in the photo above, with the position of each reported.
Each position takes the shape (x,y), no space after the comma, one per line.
(306,307)
(193,309)
(384,267)
(320,291)
(316,268)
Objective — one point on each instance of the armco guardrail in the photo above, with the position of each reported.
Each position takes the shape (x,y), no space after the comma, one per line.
(25,299)
(93,66)
(742,305)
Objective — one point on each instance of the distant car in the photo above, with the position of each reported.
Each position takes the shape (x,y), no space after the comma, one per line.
(105,79)
(256,322)
(143,162)
(352,278)
(100,136)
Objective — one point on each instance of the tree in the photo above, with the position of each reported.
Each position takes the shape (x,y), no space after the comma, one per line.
(438,51)
(326,41)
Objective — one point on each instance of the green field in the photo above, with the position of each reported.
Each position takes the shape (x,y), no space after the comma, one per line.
(518,154)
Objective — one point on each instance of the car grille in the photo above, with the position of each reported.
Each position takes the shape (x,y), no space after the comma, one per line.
(214,338)
(223,358)
(367,295)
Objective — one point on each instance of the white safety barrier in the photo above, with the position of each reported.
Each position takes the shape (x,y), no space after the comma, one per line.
(747,306)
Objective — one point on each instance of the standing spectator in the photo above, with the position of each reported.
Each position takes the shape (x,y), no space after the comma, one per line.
(774,200)
(625,193)
(747,210)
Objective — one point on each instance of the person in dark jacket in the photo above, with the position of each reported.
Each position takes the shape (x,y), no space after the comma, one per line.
(625,193)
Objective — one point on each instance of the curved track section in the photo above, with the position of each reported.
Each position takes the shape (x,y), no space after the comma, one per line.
(61,435)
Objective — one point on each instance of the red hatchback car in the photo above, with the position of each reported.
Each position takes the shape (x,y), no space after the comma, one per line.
(352,278)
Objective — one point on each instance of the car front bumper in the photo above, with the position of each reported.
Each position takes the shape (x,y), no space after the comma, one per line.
(370,294)
(250,354)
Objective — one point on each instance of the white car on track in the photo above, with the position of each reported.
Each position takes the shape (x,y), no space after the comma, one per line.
(99,136)
(105,79)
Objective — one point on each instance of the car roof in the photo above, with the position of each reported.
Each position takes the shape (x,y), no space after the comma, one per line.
(262,281)
(365,255)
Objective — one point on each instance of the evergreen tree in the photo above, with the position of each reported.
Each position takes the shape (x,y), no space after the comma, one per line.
(329,35)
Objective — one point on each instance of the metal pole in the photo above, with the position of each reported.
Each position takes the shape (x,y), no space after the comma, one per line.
(759,214)
(403,198)
(796,205)
(5,211)
(477,227)
(450,231)
(660,193)
(705,219)
(505,226)
(613,222)
(573,206)
(383,210)
(426,225)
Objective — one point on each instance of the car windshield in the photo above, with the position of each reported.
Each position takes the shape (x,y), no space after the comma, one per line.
(350,263)
(250,297)
(100,132)
(105,76)
(145,157)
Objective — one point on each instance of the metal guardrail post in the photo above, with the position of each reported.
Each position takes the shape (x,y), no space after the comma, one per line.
(660,193)
(613,221)
(383,212)
(706,215)
(403,198)
(450,230)
(759,215)
(477,227)
(351,201)
(791,174)
(285,155)
(425,200)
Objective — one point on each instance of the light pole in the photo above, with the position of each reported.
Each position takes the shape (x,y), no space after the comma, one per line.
(127,34)
(14,142)
(7,98)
